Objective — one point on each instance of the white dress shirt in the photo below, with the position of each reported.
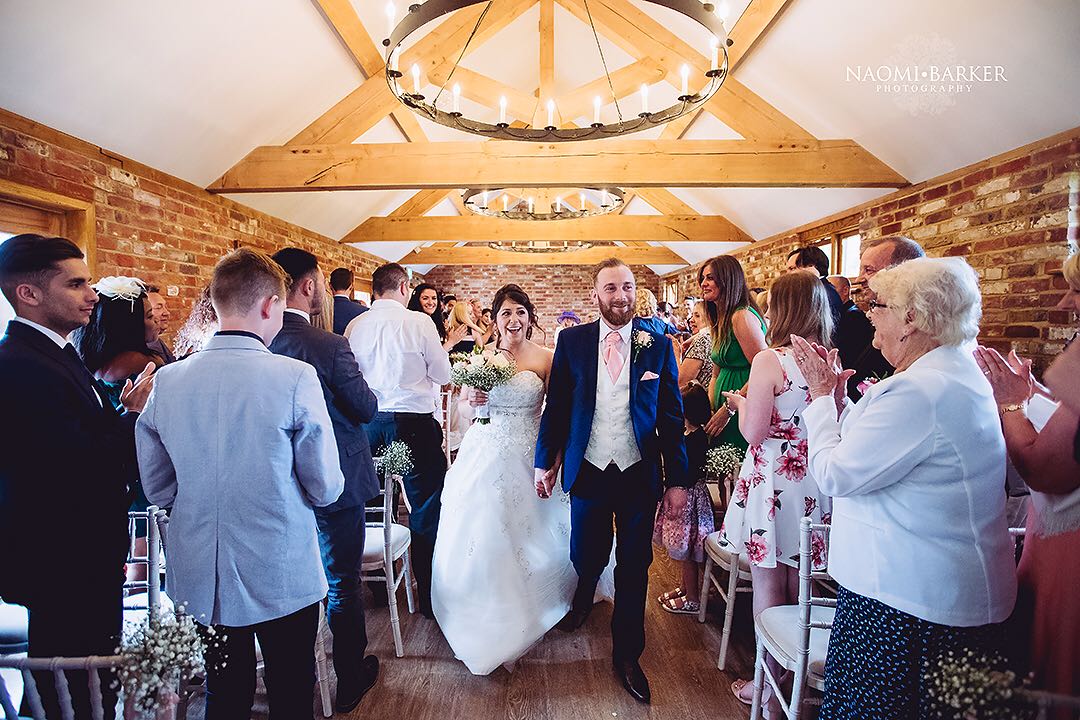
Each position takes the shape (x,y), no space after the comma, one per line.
(400,355)
(51,334)
(916,470)
(299,313)
(612,437)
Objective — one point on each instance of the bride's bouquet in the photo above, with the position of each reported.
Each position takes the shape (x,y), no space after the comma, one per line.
(481,369)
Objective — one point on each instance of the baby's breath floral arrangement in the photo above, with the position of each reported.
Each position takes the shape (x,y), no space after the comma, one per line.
(723,461)
(159,654)
(396,459)
(482,369)
(975,685)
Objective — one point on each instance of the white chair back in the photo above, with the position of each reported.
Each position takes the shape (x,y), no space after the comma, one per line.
(150,558)
(59,667)
(793,654)
(385,543)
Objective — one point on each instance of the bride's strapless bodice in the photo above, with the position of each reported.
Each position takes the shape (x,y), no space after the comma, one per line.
(514,408)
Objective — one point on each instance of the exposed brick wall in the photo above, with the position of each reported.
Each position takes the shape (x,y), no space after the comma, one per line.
(1007,216)
(552,288)
(150,224)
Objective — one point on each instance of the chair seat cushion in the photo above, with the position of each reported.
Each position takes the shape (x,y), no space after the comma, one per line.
(778,629)
(373,543)
(14,625)
(722,555)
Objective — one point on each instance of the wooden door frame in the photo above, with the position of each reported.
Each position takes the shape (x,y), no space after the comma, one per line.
(79,224)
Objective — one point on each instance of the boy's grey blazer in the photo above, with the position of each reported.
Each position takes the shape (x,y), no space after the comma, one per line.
(238,442)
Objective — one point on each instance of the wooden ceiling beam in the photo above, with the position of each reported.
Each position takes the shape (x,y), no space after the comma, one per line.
(639,34)
(623,163)
(472,228)
(626,80)
(346,24)
(490,256)
(437,50)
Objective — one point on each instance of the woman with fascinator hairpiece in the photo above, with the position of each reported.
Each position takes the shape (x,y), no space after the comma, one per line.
(113,345)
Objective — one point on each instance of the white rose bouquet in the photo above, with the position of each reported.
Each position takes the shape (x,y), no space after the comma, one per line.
(482,369)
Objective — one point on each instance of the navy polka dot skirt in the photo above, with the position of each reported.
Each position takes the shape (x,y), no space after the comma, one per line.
(878,657)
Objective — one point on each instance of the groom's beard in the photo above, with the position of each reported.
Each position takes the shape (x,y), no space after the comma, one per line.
(614,314)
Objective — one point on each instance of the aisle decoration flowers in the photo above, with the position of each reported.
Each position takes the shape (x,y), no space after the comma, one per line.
(723,461)
(483,369)
(396,459)
(160,655)
(976,685)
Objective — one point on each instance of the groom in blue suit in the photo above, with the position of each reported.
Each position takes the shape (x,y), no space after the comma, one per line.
(614,424)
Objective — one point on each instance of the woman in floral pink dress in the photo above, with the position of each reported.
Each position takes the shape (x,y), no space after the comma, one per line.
(774,491)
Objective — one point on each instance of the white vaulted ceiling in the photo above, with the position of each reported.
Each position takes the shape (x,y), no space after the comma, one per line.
(192,87)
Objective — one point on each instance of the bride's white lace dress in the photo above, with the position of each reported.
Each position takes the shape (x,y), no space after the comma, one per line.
(502,575)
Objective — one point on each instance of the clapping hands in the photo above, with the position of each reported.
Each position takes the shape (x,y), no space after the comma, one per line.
(822,370)
(134,395)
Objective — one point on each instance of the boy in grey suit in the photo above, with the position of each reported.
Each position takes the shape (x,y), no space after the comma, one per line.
(238,442)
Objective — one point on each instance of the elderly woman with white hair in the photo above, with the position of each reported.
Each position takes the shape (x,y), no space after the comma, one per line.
(920,546)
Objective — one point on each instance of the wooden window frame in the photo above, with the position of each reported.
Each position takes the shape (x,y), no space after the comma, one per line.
(78,215)
(834,240)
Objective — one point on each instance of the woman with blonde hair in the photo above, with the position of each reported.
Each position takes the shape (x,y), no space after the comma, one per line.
(774,491)
(738,335)
(462,316)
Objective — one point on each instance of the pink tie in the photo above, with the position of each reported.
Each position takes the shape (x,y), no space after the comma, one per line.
(613,356)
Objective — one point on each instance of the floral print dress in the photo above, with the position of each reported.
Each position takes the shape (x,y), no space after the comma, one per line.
(774,490)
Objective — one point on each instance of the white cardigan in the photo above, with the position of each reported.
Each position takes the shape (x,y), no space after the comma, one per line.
(917,472)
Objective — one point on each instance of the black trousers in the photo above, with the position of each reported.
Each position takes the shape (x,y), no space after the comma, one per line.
(288,650)
(341,540)
(423,485)
(87,625)
(596,498)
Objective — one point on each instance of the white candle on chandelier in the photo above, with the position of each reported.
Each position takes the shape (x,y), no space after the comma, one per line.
(604,199)
(416,79)
(715,51)
(502,109)
(581,202)
(596,109)
(644,98)
(558,204)
(551,113)
(483,199)
(457,100)
(506,202)
(685,72)
(391,14)
(530,206)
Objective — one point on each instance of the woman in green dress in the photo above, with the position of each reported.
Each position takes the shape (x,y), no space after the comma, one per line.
(738,334)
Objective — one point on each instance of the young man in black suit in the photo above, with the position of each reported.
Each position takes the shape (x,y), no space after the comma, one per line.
(345,308)
(66,460)
(341,526)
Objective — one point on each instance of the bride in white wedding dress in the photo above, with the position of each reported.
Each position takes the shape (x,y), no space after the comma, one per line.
(502,575)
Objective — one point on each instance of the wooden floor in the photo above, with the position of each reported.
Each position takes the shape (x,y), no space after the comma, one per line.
(565,677)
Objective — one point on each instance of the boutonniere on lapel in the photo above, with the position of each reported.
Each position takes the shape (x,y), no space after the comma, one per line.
(640,340)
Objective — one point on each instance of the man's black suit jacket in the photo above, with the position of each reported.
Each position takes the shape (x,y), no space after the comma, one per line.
(66,464)
(345,309)
(348,398)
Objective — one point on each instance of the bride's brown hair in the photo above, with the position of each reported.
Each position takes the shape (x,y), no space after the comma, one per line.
(514,294)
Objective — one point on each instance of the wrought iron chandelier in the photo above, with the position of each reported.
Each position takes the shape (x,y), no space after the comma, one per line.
(541,246)
(516,204)
(419,15)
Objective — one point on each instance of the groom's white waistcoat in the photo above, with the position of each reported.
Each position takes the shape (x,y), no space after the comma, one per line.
(612,436)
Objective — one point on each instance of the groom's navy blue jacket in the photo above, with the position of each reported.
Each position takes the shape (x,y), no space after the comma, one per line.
(655,406)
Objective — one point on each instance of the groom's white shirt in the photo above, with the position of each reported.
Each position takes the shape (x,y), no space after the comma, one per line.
(611,439)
